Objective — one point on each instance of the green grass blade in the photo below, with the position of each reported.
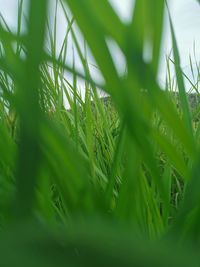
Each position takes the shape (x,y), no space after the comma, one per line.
(28,108)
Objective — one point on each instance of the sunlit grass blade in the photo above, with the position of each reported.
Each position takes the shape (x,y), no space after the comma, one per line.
(180,81)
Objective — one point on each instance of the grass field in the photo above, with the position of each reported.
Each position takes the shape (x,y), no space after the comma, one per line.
(103,182)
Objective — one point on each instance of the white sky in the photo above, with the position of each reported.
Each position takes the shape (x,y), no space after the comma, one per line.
(185,16)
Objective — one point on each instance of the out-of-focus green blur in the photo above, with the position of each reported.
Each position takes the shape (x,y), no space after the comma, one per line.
(103,182)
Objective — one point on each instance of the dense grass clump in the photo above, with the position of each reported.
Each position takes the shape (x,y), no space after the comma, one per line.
(90,181)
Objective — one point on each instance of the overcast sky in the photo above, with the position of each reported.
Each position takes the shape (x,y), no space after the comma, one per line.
(185,16)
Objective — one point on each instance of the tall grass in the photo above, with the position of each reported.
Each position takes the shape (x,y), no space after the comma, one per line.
(111,181)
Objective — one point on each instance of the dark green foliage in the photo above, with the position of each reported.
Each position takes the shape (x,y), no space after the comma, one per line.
(103,182)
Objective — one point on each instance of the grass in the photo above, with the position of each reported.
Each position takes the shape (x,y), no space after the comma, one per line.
(110,181)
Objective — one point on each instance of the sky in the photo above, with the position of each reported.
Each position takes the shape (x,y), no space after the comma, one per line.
(186,20)
(185,16)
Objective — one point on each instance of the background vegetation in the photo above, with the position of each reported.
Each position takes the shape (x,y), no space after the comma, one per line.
(111,182)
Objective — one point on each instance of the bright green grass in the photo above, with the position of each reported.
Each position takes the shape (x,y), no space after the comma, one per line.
(101,183)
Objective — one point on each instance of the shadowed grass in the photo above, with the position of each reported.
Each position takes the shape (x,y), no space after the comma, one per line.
(111,181)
